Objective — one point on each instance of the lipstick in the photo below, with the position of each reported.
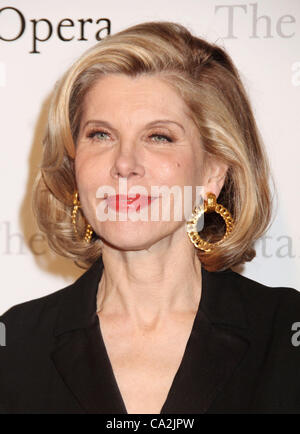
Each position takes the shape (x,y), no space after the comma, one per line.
(124,203)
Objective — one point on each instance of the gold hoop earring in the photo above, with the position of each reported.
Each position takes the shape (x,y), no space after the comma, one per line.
(210,205)
(76,206)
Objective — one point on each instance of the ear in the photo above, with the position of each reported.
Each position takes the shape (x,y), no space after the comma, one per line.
(215,175)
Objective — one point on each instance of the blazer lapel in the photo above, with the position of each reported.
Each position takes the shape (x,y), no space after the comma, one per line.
(81,360)
(211,356)
(79,355)
(217,344)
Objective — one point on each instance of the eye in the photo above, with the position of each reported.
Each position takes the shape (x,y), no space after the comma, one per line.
(98,134)
(161,138)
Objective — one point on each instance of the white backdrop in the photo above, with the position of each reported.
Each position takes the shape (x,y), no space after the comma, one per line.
(263,38)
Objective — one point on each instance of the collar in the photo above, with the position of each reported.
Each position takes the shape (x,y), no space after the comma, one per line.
(221,300)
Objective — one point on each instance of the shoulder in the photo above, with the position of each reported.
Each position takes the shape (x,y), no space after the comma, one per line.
(273,332)
(252,289)
(36,319)
(272,309)
(262,306)
(30,317)
(259,293)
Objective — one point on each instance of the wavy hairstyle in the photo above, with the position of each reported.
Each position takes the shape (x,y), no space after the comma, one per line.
(205,77)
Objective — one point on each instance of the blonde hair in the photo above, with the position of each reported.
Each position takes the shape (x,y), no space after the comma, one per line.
(209,83)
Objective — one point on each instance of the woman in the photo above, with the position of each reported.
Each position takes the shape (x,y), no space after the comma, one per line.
(159,322)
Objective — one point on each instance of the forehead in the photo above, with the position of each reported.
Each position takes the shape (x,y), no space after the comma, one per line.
(143,95)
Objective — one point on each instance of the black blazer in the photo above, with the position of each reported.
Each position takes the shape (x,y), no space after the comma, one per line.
(239,357)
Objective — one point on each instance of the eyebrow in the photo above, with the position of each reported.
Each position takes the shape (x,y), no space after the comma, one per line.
(150,124)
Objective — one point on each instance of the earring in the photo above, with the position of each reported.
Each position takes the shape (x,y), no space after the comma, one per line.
(210,205)
(76,205)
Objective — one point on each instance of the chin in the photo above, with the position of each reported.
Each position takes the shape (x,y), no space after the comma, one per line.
(130,235)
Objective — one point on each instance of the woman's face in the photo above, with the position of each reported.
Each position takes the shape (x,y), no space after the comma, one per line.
(136,131)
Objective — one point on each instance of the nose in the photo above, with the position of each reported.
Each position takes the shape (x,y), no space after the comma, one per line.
(127,163)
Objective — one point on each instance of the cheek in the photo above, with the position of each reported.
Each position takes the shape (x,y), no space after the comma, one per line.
(176,171)
(89,174)
(79,169)
(81,162)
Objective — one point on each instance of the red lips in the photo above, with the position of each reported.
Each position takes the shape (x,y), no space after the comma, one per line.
(124,203)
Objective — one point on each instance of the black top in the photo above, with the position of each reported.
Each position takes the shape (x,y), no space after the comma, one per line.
(239,357)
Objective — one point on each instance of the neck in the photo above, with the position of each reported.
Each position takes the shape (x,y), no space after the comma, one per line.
(150,285)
